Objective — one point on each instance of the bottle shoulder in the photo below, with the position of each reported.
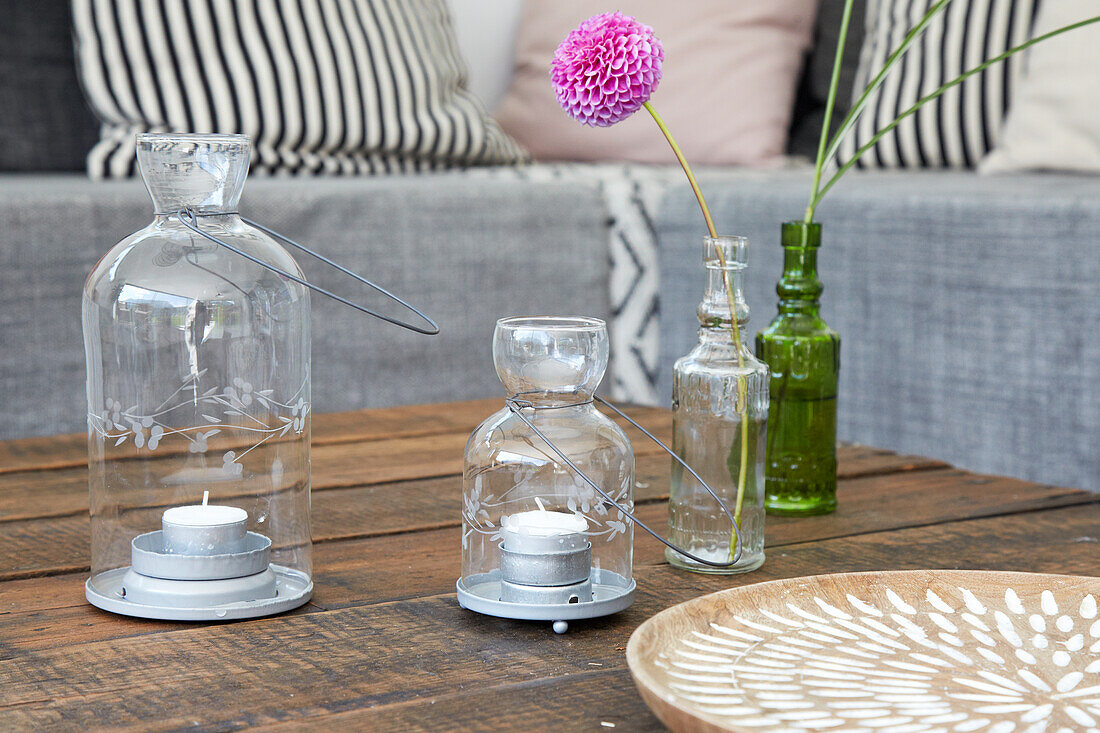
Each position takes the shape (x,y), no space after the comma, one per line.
(798,326)
(167,263)
(720,360)
(494,423)
(721,390)
(575,430)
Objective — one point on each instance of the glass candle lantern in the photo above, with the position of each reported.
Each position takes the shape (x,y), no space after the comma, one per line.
(198,390)
(538,542)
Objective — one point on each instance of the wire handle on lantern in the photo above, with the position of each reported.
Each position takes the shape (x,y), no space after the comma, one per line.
(517,405)
(189,219)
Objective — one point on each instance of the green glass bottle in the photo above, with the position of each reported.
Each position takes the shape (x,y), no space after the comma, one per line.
(804,356)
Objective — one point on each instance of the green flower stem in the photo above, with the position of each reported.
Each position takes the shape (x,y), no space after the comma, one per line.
(735,329)
(954,82)
(829,103)
(850,118)
(742,395)
(684,164)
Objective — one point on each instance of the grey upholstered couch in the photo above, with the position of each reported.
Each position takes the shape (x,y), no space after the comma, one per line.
(968,306)
(466,255)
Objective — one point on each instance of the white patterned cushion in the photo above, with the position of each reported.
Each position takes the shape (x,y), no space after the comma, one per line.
(959,128)
(321,86)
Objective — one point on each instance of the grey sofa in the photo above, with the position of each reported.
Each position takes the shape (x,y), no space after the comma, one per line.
(466,255)
(967,305)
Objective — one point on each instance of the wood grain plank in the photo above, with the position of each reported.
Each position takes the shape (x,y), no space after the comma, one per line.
(41,593)
(64,491)
(309,666)
(856,461)
(380,423)
(357,425)
(34,454)
(873,503)
(401,567)
(61,491)
(426,563)
(595,700)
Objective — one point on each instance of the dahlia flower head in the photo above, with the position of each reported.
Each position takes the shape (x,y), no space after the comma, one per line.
(606,69)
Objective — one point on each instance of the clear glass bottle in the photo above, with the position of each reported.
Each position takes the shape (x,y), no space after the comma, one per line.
(719,418)
(198,369)
(554,363)
(804,356)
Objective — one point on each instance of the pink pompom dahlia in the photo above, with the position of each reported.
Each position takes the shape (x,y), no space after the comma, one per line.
(606,69)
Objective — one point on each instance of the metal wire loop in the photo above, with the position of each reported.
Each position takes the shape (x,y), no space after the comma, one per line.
(517,405)
(189,219)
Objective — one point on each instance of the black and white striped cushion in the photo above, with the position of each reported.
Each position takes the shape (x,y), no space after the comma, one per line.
(961,126)
(321,86)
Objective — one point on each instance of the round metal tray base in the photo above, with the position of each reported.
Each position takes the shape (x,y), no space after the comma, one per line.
(292,588)
(481,593)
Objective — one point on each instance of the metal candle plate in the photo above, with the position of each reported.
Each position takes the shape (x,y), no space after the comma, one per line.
(610,594)
(292,589)
(175,586)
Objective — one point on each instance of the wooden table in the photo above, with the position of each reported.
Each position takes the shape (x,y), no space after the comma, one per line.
(384,644)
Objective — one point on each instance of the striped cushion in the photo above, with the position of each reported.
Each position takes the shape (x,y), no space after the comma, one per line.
(321,86)
(960,127)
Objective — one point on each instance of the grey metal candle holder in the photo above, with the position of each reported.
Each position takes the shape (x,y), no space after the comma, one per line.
(482,593)
(168,585)
(546,586)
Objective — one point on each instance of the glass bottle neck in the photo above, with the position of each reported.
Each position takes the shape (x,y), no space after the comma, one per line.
(714,312)
(725,259)
(799,289)
(218,224)
(720,336)
(205,218)
(200,173)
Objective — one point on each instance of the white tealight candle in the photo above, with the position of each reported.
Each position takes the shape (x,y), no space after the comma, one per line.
(204,529)
(543,531)
(552,372)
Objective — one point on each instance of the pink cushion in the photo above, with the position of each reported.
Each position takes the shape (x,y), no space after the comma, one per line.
(729,80)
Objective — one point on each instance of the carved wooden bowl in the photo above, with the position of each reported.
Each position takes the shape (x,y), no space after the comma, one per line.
(897,652)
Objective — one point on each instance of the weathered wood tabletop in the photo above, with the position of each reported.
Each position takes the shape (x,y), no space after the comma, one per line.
(384,644)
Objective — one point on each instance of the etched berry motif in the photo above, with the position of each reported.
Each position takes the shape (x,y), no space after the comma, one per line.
(238,407)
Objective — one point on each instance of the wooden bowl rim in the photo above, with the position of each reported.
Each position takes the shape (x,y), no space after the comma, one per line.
(647,686)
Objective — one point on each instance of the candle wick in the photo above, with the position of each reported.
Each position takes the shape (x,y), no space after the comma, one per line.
(205,497)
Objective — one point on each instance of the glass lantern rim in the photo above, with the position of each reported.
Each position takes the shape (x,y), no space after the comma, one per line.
(734,249)
(213,138)
(553,323)
(733,239)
